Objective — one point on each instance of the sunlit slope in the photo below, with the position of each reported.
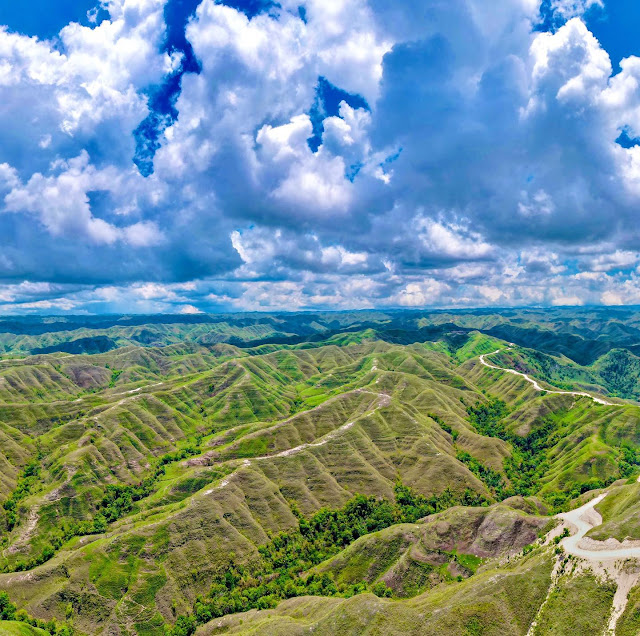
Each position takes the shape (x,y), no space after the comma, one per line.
(496,601)
(15,628)
(620,512)
(452,544)
(249,439)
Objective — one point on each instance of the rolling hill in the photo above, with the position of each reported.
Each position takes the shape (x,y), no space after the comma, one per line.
(360,472)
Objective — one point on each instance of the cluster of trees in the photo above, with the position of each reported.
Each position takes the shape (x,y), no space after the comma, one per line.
(619,369)
(444,426)
(115,374)
(559,499)
(490,477)
(118,500)
(183,453)
(528,462)
(487,418)
(280,572)
(629,459)
(9,612)
(27,481)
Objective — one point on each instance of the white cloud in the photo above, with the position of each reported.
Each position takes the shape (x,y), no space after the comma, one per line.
(568,9)
(620,259)
(569,66)
(562,300)
(61,203)
(189,309)
(427,293)
(143,234)
(454,240)
(540,204)
(611,298)
(486,170)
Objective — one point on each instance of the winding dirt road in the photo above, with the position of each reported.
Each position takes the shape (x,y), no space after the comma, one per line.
(585,518)
(609,559)
(535,384)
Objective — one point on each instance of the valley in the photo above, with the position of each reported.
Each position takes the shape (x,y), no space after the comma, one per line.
(373,477)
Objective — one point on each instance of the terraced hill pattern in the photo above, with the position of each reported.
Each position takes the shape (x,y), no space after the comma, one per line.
(354,473)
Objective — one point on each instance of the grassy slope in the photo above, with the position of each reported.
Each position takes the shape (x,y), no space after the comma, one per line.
(163,554)
(412,557)
(619,510)
(14,628)
(629,622)
(578,605)
(497,601)
(615,373)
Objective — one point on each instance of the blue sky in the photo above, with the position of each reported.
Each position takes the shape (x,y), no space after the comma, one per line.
(37,17)
(616,27)
(194,155)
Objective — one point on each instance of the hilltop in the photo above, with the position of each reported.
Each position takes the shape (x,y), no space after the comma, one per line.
(327,471)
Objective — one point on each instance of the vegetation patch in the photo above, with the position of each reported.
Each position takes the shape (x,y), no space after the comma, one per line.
(281,572)
(577,605)
(20,623)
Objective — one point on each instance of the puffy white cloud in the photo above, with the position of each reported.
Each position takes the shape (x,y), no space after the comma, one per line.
(61,203)
(455,241)
(66,94)
(620,259)
(486,169)
(561,301)
(569,65)
(189,310)
(427,293)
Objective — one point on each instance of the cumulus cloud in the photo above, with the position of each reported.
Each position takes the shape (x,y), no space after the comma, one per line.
(466,157)
(568,9)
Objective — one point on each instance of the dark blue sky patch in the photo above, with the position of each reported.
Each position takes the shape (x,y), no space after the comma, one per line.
(548,20)
(392,157)
(176,17)
(45,18)
(616,28)
(250,8)
(626,140)
(353,171)
(551,21)
(327,104)
(162,113)
(162,99)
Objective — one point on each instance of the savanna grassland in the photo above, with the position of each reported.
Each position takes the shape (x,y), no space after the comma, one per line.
(356,473)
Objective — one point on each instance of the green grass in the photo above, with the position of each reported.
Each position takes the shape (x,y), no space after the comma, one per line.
(418,417)
(578,605)
(496,602)
(629,623)
(476,345)
(619,510)
(15,628)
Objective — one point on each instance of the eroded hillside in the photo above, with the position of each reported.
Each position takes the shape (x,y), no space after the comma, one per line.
(289,486)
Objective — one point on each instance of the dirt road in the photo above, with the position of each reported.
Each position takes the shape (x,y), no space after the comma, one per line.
(535,384)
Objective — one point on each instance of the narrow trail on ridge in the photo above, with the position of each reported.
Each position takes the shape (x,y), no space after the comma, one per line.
(535,384)
(383,400)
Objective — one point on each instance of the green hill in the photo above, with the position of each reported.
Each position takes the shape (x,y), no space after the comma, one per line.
(363,475)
